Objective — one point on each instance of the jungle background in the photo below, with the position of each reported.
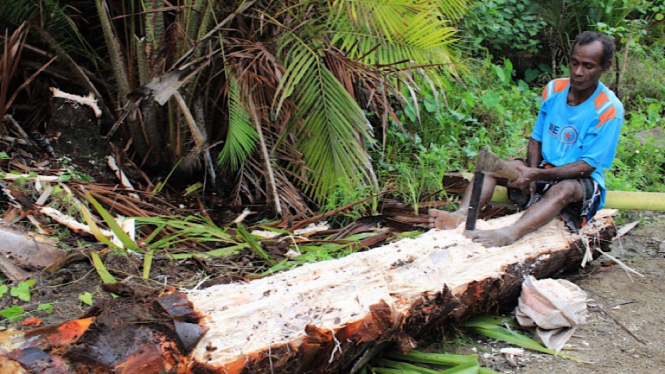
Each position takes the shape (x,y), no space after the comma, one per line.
(289,109)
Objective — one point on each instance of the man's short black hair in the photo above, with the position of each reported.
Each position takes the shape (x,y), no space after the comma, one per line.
(588,37)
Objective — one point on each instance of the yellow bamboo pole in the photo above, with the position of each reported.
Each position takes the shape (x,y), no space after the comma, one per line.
(628,200)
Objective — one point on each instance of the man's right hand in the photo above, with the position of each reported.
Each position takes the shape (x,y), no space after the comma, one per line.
(526,181)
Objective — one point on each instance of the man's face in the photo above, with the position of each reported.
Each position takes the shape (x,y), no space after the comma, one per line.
(585,67)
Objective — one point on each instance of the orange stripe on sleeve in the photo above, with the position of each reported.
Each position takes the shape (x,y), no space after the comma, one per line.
(600,99)
(561,84)
(607,115)
(545,93)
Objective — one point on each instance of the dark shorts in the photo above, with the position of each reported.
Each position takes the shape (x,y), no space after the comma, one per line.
(577,214)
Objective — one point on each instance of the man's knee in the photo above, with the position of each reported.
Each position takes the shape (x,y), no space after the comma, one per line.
(568,191)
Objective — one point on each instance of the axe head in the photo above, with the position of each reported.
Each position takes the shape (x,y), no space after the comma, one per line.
(488,162)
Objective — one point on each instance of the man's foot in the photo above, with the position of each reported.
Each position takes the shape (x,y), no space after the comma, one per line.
(439,219)
(493,238)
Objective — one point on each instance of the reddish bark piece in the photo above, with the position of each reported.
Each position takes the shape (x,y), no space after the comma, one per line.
(56,336)
(62,335)
(31,322)
(152,359)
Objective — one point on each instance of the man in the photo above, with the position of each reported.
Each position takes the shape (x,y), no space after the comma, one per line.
(573,142)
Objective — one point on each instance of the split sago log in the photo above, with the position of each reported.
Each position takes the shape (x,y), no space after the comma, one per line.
(328,317)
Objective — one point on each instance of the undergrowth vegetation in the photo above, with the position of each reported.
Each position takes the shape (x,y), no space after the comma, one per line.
(21,295)
(444,134)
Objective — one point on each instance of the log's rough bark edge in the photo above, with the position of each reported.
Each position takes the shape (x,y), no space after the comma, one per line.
(323,352)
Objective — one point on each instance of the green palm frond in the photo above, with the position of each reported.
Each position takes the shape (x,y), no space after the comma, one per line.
(421,35)
(60,22)
(241,138)
(453,10)
(388,16)
(17,11)
(377,16)
(301,57)
(332,128)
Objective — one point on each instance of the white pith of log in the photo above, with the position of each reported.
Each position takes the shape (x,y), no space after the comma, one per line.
(246,318)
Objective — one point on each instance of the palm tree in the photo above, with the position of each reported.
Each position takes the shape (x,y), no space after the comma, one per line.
(288,86)
(307,73)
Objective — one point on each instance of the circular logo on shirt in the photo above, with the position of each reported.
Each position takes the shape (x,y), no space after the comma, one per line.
(568,135)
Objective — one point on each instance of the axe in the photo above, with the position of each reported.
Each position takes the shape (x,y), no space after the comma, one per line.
(487,162)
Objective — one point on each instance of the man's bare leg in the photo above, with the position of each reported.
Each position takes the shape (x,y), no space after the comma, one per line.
(553,202)
(439,219)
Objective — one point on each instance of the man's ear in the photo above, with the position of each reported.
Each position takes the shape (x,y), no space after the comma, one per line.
(607,66)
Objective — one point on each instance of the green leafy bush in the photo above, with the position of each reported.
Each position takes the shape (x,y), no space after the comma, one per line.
(638,81)
(640,161)
(505,25)
(485,109)
(489,109)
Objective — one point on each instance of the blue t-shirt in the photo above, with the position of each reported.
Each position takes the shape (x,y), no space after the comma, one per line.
(587,132)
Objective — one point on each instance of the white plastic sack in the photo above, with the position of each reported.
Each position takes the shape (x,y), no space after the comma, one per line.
(554,306)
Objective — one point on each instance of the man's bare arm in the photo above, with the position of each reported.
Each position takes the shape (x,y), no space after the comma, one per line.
(575,170)
(531,173)
(534,153)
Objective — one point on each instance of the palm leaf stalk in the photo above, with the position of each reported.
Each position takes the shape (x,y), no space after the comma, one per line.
(115,52)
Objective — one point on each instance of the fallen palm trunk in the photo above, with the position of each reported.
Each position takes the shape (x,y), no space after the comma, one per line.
(321,318)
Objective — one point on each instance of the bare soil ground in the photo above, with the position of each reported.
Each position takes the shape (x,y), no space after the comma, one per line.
(625,327)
